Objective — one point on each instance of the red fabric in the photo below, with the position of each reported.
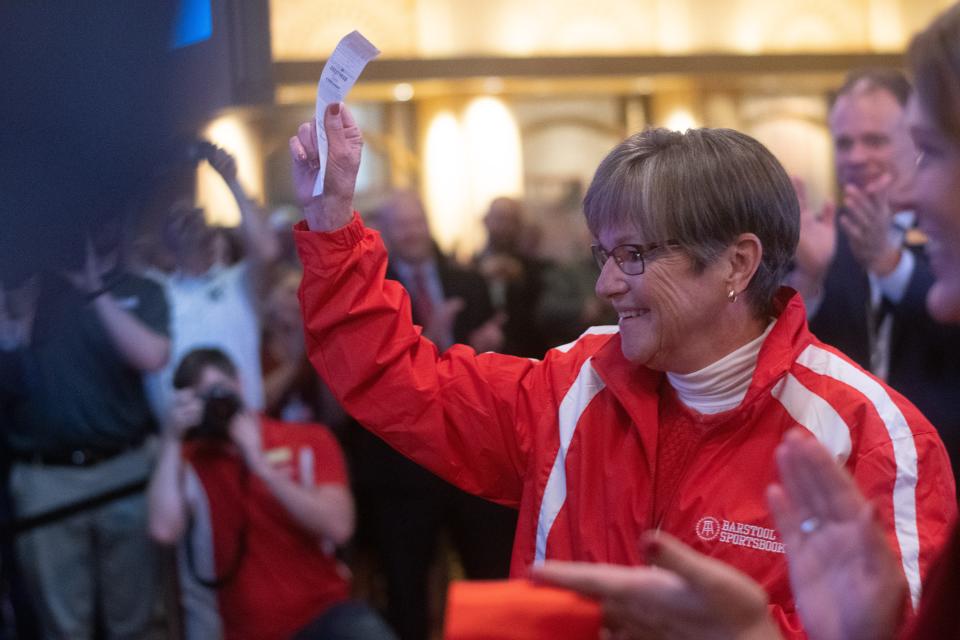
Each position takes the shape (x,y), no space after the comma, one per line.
(573,440)
(286,579)
(518,610)
(679,435)
(939,613)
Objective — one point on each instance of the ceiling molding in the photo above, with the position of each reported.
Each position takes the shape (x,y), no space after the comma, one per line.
(400,70)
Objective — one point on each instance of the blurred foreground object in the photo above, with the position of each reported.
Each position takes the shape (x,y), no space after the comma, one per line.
(518,610)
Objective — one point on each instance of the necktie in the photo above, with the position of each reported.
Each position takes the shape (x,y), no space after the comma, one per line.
(422,304)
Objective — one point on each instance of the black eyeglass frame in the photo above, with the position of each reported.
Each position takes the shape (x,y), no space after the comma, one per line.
(630,254)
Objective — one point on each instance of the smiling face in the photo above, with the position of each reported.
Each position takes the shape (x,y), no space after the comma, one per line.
(870,137)
(936,199)
(670,314)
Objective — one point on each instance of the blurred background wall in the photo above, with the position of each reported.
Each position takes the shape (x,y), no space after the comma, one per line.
(471,99)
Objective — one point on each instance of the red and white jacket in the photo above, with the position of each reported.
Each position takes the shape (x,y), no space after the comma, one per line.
(571,441)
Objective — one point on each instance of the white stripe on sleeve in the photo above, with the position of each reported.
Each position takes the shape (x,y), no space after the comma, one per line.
(816,415)
(904,452)
(587,385)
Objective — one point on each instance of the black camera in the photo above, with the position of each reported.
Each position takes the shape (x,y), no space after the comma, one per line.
(201,150)
(220,405)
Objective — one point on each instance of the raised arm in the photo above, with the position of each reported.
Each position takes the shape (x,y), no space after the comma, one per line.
(455,413)
(258,239)
(141,347)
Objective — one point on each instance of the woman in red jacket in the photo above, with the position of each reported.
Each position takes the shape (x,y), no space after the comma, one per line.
(846,582)
(669,420)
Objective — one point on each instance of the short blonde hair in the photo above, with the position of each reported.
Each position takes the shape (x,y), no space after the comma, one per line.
(702,188)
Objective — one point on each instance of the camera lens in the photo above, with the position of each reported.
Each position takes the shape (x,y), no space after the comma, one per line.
(219,407)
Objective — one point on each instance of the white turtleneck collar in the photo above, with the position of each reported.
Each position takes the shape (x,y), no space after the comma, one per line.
(720,386)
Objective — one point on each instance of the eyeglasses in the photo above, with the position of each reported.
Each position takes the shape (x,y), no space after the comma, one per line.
(629,257)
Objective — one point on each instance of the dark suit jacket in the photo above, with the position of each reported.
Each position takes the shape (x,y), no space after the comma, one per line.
(379,467)
(924,355)
(467,285)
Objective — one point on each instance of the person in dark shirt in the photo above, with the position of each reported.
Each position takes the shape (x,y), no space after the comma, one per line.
(76,430)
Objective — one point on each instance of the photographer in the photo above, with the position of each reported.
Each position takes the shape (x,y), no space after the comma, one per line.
(263,505)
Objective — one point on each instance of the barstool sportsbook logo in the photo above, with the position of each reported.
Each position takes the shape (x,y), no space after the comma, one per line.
(739,534)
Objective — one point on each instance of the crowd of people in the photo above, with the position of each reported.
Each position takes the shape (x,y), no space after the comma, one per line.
(742,435)
(112,377)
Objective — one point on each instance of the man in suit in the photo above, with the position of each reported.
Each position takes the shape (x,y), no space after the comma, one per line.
(451,303)
(404,506)
(865,288)
(515,275)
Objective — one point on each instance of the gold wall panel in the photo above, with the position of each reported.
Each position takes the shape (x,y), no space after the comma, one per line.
(309,29)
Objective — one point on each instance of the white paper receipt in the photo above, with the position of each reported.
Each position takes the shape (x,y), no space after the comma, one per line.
(345,65)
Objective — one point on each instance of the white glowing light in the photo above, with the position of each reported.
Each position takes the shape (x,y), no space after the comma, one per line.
(402,92)
(467,163)
(444,177)
(213,195)
(680,120)
(493,140)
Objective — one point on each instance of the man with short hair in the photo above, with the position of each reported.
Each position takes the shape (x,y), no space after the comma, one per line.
(865,288)
(263,504)
(451,303)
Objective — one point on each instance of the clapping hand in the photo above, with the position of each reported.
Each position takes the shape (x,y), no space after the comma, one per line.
(683,595)
(866,221)
(489,335)
(846,580)
(818,237)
